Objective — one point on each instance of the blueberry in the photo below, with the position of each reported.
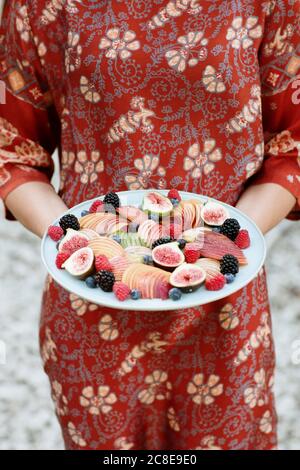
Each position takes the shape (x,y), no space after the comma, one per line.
(216,229)
(153,216)
(175,294)
(229,278)
(91,282)
(148,259)
(181,243)
(116,238)
(83,213)
(135,294)
(174,201)
(57,245)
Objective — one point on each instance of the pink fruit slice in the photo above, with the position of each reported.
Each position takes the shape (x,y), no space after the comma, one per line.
(133,214)
(149,231)
(197,206)
(148,279)
(119,265)
(216,245)
(89,233)
(210,266)
(106,246)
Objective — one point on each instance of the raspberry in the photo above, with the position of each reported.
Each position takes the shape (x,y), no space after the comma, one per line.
(61,258)
(215,283)
(55,232)
(121,290)
(102,263)
(242,240)
(96,206)
(174,194)
(191,252)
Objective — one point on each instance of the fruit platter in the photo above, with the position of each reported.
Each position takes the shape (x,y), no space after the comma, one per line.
(153,250)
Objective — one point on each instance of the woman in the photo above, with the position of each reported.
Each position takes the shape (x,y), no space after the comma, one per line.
(206,85)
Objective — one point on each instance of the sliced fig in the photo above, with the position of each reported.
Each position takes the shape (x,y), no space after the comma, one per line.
(168,256)
(156,203)
(187,277)
(81,263)
(213,213)
(73,241)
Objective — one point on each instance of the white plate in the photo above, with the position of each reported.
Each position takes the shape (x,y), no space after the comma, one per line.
(256,254)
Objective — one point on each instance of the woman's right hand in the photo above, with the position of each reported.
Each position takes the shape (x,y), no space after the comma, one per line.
(35,205)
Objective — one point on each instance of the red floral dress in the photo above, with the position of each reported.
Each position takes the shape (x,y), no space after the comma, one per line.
(199,96)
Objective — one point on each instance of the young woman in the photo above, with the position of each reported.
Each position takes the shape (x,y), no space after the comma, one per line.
(195,95)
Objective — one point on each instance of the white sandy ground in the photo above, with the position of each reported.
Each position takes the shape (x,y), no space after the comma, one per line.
(27,420)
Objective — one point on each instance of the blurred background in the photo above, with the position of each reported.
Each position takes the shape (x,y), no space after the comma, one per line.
(27,419)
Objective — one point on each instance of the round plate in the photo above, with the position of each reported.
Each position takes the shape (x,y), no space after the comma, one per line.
(255,254)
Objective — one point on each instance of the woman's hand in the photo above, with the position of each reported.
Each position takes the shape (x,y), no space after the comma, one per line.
(267,204)
(35,205)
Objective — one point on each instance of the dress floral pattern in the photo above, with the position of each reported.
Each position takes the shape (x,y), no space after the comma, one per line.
(198,96)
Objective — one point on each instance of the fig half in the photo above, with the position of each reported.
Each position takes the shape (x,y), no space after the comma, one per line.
(81,263)
(168,256)
(156,203)
(187,277)
(213,213)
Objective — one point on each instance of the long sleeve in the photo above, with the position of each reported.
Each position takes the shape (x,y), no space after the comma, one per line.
(29,130)
(279,57)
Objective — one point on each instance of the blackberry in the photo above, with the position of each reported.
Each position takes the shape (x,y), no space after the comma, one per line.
(230,228)
(162,241)
(112,199)
(69,221)
(229,265)
(105,280)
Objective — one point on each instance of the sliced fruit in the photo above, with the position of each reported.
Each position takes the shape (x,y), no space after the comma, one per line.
(216,245)
(198,207)
(106,246)
(195,234)
(210,266)
(81,263)
(72,241)
(130,239)
(213,213)
(156,203)
(136,254)
(149,231)
(188,277)
(168,256)
(133,214)
(149,280)
(89,233)
(119,265)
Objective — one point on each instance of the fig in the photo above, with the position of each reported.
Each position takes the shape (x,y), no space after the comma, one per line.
(81,263)
(156,203)
(168,256)
(213,213)
(72,241)
(187,277)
